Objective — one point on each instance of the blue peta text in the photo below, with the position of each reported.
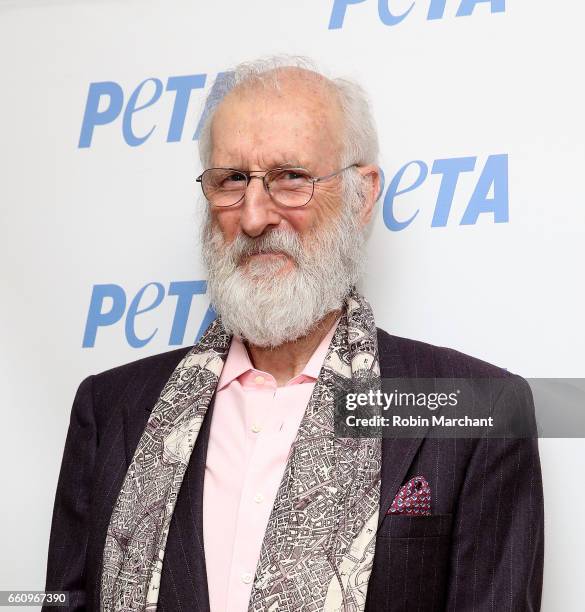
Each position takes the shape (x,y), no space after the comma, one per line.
(391,12)
(109,306)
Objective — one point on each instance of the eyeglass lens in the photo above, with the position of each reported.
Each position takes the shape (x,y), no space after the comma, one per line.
(288,187)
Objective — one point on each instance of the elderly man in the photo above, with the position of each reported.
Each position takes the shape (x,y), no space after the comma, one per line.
(211,478)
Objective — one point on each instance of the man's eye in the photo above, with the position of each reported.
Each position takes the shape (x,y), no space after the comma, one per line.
(291,175)
(234,180)
(235,177)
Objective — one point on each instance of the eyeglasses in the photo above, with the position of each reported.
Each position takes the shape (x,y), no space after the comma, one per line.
(289,187)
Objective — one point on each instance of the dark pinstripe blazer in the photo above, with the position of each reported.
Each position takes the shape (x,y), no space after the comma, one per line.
(481,549)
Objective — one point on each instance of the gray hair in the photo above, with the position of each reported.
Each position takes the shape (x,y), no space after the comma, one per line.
(360,138)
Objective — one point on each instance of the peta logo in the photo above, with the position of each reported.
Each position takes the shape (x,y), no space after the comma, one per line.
(392,12)
(489,196)
(109,306)
(107,105)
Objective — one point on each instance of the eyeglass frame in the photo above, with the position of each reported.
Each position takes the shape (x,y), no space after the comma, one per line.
(249,177)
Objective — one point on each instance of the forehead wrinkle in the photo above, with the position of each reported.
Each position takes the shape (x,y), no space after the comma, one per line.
(238,161)
(300,93)
(276,160)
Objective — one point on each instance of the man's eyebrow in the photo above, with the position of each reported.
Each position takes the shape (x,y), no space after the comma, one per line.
(275,162)
(289,163)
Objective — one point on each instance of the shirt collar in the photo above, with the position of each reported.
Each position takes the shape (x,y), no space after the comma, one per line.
(238,362)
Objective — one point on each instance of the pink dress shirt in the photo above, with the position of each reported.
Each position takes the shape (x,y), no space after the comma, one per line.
(253,426)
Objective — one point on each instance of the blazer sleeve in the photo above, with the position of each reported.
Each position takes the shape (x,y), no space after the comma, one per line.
(69,527)
(498,539)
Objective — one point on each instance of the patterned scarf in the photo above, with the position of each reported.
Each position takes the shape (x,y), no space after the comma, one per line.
(321,534)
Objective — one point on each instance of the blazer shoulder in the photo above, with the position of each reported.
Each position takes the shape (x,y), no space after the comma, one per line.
(408,357)
(145,376)
(146,366)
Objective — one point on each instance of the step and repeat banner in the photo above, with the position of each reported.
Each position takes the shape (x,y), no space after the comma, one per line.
(478,241)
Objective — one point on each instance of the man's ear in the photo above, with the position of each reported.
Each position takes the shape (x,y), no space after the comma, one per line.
(370,192)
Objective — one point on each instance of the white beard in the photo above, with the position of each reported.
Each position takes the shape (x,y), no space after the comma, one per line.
(268,308)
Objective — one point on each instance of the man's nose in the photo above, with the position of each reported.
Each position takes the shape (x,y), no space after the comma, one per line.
(258,211)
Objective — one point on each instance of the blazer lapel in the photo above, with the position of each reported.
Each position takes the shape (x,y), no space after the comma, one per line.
(397,453)
(183,584)
(397,456)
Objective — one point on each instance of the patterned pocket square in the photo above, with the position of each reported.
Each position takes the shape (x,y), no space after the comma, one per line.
(413,498)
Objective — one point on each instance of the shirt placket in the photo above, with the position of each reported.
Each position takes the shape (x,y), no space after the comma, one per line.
(253,513)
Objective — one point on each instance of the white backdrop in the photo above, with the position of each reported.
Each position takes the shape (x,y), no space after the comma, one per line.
(501,86)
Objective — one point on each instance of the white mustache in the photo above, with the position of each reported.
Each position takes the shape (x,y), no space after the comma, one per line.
(276,241)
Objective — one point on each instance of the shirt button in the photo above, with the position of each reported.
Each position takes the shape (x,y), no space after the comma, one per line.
(259,380)
(258,498)
(246,577)
(256,428)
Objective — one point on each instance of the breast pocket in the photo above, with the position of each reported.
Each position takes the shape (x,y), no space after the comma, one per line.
(410,564)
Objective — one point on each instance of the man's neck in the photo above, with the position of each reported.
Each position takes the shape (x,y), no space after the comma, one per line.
(288,360)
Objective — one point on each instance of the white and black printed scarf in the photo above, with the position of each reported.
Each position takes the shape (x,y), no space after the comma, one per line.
(321,533)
